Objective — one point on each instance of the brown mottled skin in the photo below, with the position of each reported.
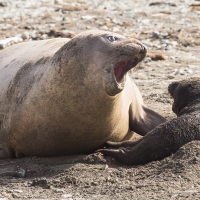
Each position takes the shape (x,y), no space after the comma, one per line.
(168,137)
(64,96)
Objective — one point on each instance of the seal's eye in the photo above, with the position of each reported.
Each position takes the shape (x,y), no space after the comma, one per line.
(112,38)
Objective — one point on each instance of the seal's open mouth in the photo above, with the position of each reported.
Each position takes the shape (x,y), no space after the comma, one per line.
(122,68)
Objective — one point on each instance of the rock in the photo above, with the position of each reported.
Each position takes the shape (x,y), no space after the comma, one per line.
(147,60)
(183,71)
(173,43)
(58,2)
(117,21)
(145,21)
(40,183)
(66,196)
(18,191)
(159,15)
(156,56)
(94,158)
(3,3)
(44,37)
(15,195)
(25,35)
(195,7)
(171,76)
(158,3)
(73,8)
(63,33)
(33,35)
(106,167)
(9,41)
(21,173)
(147,43)
(156,34)
(87,17)
(57,190)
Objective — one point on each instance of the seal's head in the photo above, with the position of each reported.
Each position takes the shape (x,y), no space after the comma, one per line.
(185,93)
(107,57)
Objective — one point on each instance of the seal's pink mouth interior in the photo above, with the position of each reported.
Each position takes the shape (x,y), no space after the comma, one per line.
(120,70)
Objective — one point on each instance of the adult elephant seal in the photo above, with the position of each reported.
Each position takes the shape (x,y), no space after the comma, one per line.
(170,136)
(64,96)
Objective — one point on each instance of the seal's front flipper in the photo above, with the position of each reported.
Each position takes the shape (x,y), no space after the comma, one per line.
(119,154)
(146,121)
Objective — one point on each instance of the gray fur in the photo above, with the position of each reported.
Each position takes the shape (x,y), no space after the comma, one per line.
(168,137)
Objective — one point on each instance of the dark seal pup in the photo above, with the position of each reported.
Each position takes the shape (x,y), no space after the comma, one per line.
(170,136)
(64,96)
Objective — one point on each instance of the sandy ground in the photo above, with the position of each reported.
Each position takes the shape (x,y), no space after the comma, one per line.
(170,29)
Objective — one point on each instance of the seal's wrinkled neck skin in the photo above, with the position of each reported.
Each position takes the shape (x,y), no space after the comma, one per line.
(111,56)
(186,95)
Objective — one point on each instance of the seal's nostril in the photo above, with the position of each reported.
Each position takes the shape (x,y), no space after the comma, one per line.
(144,47)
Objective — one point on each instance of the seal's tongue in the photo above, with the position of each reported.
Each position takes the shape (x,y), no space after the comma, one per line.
(120,70)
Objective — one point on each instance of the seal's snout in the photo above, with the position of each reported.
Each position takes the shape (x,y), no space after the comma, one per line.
(144,48)
(129,52)
(137,52)
(172,87)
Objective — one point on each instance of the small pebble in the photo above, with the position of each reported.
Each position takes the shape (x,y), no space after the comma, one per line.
(18,191)
(25,35)
(66,196)
(171,76)
(87,17)
(57,190)
(15,195)
(21,173)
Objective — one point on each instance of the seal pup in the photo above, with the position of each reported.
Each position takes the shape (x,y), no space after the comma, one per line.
(69,96)
(168,137)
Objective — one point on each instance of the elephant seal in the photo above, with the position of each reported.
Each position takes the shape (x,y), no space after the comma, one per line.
(70,96)
(168,137)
